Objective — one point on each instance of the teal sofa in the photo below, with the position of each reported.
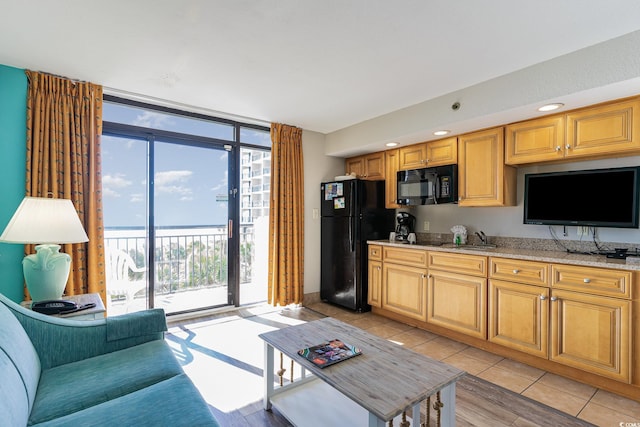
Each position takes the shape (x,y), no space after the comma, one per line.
(116,371)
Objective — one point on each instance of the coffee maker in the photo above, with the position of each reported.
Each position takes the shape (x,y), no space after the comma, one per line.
(405,224)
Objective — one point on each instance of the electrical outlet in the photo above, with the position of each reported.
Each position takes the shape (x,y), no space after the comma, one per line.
(425,226)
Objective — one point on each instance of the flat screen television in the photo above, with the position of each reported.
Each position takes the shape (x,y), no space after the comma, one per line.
(594,198)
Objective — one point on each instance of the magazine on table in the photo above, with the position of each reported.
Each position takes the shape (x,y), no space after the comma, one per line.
(329,353)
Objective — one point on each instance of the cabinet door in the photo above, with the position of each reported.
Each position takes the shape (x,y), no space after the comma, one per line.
(604,130)
(404,290)
(484,180)
(457,302)
(519,317)
(355,165)
(535,141)
(592,333)
(391,179)
(374,166)
(412,157)
(375,284)
(442,152)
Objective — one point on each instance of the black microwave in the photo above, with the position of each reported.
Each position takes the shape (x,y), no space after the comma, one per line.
(428,186)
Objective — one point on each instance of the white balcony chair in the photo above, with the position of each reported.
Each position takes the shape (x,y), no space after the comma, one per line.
(118,264)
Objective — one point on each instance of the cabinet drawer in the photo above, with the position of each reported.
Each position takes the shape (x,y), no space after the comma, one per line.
(375,253)
(458,263)
(599,281)
(514,270)
(412,257)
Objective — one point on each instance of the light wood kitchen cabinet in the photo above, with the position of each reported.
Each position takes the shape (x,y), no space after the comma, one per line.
(404,290)
(457,302)
(604,130)
(404,281)
(592,333)
(519,305)
(391,162)
(457,292)
(369,166)
(538,140)
(429,154)
(519,317)
(591,280)
(483,178)
(374,296)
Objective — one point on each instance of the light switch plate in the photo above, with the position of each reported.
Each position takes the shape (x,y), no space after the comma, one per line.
(425,226)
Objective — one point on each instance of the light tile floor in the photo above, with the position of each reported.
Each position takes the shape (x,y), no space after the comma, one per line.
(585,402)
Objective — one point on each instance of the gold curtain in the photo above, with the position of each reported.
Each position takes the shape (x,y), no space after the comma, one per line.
(286,216)
(64,124)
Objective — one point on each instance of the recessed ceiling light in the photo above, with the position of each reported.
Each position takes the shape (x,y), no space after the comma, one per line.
(551,107)
(441,132)
(391,144)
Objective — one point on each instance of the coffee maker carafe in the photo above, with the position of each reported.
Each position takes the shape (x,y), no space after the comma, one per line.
(406,224)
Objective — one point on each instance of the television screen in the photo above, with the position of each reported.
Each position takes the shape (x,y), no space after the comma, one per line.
(597,198)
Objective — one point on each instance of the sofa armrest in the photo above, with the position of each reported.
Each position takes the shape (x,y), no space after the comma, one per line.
(59,341)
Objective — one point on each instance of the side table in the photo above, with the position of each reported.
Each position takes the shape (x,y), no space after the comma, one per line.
(97,312)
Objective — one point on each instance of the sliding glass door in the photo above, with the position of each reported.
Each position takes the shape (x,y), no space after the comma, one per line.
(191,227)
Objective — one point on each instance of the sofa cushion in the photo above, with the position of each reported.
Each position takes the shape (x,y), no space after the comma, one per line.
(15,343)
(75,386)
(174,402)
(14,401)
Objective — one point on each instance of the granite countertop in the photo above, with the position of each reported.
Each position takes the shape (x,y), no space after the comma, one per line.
(518,253)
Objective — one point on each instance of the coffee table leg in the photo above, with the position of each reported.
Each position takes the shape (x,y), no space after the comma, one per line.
(448,398)
(268,376)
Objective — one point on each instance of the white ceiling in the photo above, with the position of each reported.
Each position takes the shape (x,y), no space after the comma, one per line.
(320,65)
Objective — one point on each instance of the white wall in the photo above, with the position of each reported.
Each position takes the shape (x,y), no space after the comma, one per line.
(318,167)
(507,221)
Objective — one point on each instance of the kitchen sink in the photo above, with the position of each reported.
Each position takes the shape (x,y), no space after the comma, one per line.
(472,247)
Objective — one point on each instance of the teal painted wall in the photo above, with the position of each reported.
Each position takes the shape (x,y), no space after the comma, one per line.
(13,124)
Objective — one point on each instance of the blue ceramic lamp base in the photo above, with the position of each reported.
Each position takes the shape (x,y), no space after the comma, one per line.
(46,272)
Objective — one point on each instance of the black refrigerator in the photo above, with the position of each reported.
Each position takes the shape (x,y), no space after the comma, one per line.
(352,212)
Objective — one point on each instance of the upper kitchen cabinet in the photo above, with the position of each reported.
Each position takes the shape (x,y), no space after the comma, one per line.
(483,178)
(534,141)
(604,130)
(369,166)
(391,179)
(427,154)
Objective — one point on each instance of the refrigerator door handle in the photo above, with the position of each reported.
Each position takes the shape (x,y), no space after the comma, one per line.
(352,241)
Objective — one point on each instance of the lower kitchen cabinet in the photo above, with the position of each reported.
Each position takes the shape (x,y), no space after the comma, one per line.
(404,290)
(592,333)
(374,297)
(457,302)
(519,317)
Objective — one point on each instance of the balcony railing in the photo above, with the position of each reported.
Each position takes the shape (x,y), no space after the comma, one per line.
(186,258)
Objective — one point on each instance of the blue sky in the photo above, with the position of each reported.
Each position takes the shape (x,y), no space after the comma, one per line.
(188,180)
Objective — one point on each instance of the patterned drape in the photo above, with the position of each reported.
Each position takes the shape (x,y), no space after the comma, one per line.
(286,217)
(64,124)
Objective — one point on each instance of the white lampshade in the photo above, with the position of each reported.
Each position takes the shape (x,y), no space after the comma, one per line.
(41,220)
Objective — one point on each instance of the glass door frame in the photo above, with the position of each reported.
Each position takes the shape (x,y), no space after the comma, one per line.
(233,215)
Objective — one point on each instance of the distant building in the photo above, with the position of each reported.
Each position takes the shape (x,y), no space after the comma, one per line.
(255,185)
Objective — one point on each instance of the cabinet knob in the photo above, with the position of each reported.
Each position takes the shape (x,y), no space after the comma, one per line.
(554,298)
(567,146)
(543,297)
(516,271)
(586,280)
(378,268)
(558,148)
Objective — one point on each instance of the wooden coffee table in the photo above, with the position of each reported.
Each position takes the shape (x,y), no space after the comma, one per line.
(379,385)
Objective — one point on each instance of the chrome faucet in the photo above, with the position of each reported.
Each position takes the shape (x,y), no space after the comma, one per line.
(482,237)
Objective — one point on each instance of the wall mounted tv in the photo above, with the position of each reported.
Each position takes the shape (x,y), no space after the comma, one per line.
(595,198)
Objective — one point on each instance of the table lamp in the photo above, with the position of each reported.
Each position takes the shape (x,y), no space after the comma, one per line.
(47,223)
